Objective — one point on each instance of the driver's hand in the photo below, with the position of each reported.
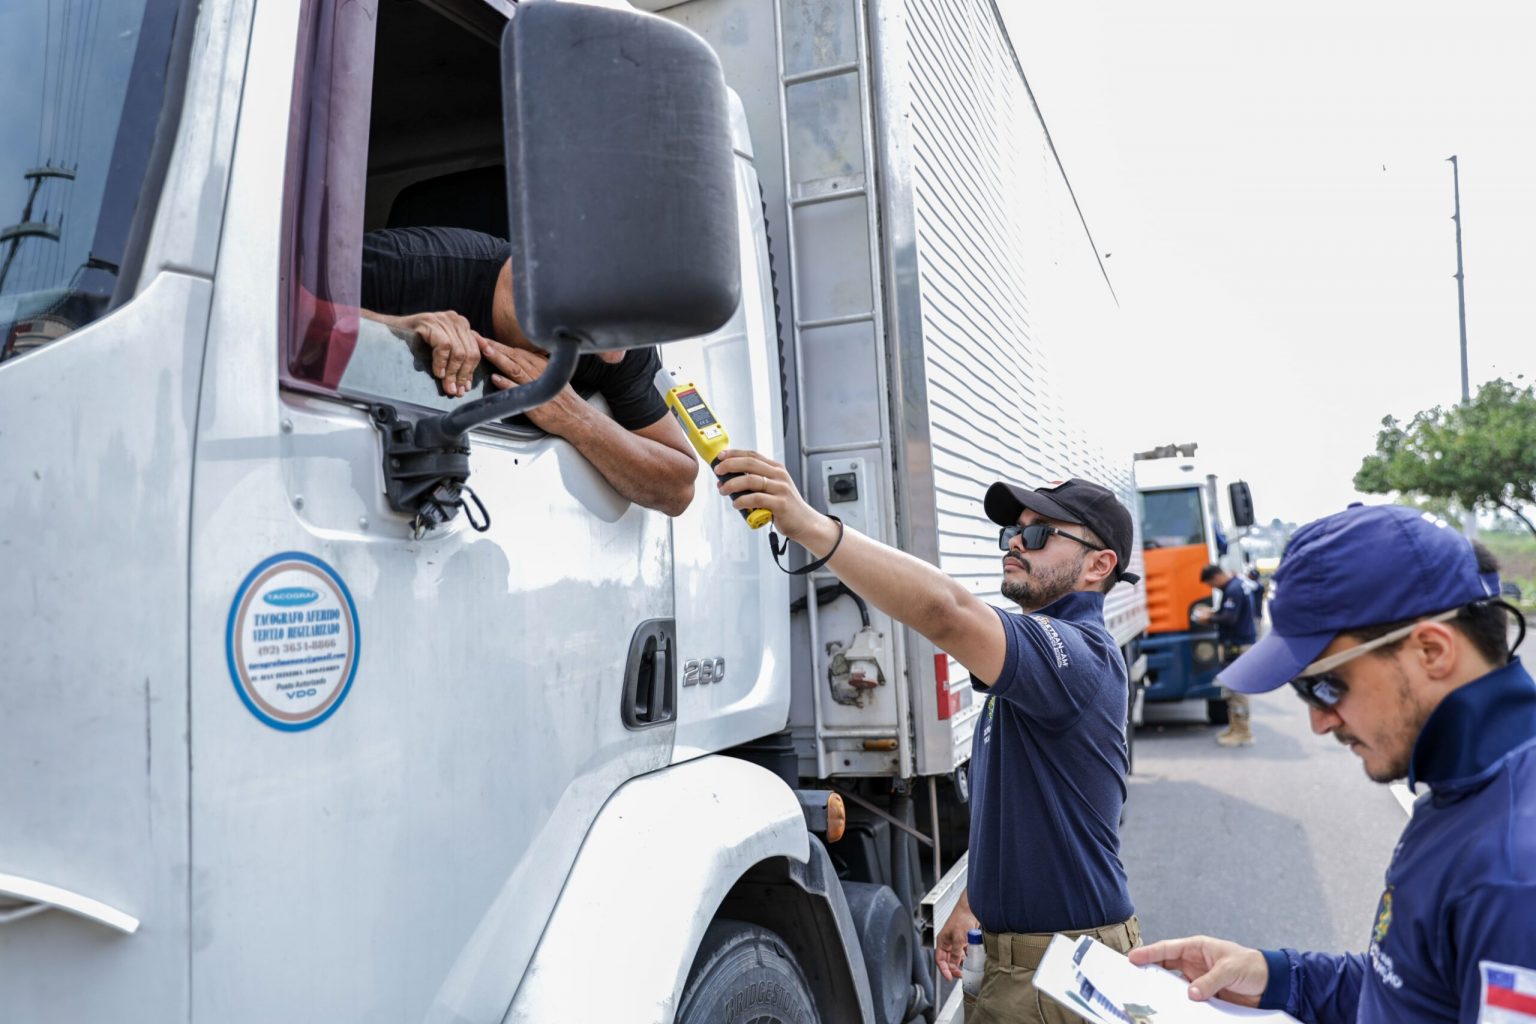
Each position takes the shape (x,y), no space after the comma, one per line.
(454,344)
(512,367)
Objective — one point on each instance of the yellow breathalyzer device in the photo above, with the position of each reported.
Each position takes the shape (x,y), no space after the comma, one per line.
(708,437)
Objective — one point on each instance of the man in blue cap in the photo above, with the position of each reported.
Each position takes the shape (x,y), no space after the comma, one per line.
(1388,624)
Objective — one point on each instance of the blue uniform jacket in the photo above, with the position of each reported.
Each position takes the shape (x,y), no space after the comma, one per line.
(1234,620)
(1456,924)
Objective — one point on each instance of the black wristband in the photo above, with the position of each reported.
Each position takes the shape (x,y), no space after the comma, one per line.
(778,546)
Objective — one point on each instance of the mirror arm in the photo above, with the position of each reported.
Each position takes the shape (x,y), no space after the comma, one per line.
(426,461)
(446,429)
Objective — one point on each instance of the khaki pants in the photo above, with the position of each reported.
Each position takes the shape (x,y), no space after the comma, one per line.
(1238,733)
(1008,993)
(1238,707)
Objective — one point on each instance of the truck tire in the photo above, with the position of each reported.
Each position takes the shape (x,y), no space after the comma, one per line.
(744,972)
(1216,711)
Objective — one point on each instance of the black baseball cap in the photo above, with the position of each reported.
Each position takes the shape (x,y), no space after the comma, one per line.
(1073,501)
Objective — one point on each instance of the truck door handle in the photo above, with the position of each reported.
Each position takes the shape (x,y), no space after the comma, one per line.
(37,897)
(650,689)
(662,668)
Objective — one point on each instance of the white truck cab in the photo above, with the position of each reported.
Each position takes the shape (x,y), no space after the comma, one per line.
(270,754)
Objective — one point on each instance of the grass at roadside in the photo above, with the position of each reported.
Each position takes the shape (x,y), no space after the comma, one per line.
(1517,561)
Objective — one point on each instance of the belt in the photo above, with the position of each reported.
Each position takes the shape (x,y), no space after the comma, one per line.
(1027,949)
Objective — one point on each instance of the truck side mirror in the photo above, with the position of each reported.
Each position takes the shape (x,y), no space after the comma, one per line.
(620,179)
(621,205)
(1242,504)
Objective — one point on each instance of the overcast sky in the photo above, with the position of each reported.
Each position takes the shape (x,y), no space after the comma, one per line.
(1270,186)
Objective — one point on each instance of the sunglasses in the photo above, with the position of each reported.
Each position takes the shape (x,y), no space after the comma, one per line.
(1320,686)
(1035,536)
(1323,690)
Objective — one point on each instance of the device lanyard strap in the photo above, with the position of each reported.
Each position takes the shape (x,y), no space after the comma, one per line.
(779,546)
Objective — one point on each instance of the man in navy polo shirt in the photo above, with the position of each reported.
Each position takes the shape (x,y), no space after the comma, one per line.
(1049,759)
(1235,633)
(1389,626)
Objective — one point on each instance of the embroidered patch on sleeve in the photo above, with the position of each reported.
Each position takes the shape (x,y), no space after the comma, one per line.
(1057,646)
(1509,994)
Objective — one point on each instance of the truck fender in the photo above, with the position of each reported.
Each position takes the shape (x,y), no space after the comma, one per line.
(664,853)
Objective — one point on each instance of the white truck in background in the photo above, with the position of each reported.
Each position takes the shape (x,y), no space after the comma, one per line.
(287,737)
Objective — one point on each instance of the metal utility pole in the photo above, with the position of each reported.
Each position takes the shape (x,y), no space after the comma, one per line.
(1469,520)
(27,227)
(1461,282)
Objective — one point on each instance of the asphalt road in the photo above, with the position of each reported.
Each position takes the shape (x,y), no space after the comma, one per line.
(1284,843)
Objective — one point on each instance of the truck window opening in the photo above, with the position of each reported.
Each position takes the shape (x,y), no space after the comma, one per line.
(433,156)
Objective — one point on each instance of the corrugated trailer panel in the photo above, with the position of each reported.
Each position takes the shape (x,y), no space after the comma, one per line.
(1007,281)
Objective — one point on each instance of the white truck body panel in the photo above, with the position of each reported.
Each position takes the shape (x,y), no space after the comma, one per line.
(729,598)
(721,816)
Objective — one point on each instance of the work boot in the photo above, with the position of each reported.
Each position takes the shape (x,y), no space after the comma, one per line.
(1238,732)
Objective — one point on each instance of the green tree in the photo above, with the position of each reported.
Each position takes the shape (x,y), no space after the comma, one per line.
(1478,455)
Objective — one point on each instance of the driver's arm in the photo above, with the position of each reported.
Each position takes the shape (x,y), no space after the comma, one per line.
(651,465)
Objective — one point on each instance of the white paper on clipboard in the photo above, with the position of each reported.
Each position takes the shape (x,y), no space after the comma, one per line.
(1099,984)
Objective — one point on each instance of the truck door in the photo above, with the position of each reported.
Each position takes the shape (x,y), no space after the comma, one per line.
(398,743)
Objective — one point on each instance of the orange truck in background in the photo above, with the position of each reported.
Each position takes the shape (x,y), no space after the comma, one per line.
(1181,532)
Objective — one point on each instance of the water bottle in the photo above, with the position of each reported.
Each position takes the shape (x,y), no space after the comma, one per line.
(974,964)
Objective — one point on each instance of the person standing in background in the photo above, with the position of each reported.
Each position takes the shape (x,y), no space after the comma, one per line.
(1235,633)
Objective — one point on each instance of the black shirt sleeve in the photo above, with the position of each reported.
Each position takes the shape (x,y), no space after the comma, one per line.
(429,270)
(629,387)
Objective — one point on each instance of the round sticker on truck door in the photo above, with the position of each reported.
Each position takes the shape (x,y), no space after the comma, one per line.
(292,641)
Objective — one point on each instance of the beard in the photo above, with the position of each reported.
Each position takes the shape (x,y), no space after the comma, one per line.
(1396,740)
(1389,771)
(1044,587)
